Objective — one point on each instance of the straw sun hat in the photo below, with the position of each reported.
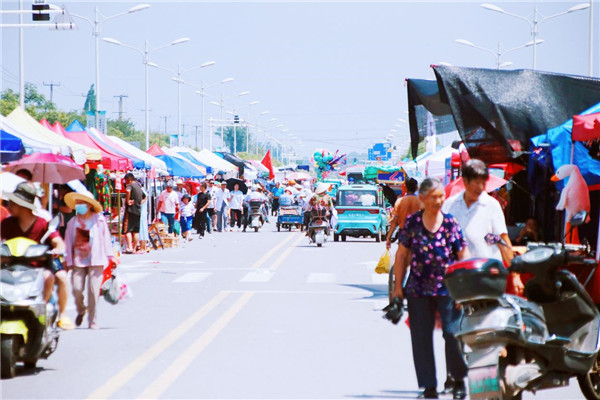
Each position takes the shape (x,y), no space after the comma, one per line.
(86,197)
(322,187)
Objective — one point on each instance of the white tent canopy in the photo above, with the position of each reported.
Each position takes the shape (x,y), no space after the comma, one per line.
(429,165)
(159,165)
(217,163)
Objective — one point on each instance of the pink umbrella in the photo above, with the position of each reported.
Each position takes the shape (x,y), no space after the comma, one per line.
(457,185)
(298,176)
(49,168)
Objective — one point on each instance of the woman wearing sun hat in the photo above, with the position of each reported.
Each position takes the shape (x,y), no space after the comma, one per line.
(88,252)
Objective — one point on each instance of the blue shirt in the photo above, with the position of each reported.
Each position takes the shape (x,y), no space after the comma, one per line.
(277,191)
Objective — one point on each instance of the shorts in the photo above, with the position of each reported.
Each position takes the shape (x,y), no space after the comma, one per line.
(210,212)
(132,223)
(186,223)
(56,266)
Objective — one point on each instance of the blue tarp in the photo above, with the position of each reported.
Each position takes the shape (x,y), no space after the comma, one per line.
(11,147)
(559,139)
(195,161)
(179,167)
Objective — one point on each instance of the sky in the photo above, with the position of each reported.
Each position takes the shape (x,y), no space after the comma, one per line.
(332,73)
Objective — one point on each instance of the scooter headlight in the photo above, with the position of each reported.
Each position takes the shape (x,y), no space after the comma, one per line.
(4,251)
(35,251)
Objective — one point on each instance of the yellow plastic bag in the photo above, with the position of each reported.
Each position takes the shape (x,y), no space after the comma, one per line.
(383,266)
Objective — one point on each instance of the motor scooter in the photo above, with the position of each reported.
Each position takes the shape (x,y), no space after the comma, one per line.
(514,344)
(256,216)
(28,330)
(318,226)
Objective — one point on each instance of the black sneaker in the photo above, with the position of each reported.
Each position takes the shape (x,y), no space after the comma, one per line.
(448,385)
(429,393)
(459,391)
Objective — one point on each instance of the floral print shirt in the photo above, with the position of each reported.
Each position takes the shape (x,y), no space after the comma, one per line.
(431,253)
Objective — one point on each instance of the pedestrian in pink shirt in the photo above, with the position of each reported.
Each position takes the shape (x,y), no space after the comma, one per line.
(88,252)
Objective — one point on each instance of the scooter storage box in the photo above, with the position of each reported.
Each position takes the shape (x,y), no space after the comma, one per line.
(476,278)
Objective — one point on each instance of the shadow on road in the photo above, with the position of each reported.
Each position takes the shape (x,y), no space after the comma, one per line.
(377,291)
(389,394)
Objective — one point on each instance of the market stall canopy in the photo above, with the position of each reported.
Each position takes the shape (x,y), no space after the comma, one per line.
(560,142)
(155,150)
(216,162)
(233,159)
(159,165)
(180,167)
(497,112)
(259,166)
(431,164)
(192,156)
(586,127)
(40,133)
(31,143)
(110,160)
(76,126)
(11,147)
(188,159)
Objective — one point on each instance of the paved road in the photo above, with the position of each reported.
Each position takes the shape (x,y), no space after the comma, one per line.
(241,316)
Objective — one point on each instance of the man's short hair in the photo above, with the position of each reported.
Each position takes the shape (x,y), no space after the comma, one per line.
(203,184)
(412,185)
(129,175)
(474,169)
(25,173)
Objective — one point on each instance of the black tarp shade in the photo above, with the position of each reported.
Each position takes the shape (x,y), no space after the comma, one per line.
(235,160)
(497,112)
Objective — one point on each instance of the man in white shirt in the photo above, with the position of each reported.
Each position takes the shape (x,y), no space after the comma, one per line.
(168,205)
(479,214)
(211,214)
(221,206)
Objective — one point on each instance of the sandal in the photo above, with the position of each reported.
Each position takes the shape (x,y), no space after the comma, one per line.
(65,323)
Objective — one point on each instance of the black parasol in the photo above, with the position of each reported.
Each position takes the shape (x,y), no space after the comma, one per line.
(232,181)
(389,193)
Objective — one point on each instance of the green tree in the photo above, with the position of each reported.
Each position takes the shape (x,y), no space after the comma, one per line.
(240,132)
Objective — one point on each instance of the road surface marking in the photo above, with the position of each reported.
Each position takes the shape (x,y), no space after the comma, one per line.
(380,278)
(258,275)
(317,277)
(286,253)
(192,277)
(135,276)
(179,366)
(133,368)
(269,253)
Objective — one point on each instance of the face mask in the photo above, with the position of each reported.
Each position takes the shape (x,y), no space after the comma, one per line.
(81,209)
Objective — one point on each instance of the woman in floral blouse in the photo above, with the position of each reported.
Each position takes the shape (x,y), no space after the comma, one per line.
(429,243)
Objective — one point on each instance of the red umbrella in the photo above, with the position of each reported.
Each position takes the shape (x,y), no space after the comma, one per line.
(49,168)
(457,185)
(586,127)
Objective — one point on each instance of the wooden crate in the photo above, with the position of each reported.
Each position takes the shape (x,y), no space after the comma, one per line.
(171,241)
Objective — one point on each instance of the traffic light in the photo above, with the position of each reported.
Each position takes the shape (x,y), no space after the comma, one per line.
(39,5)
(236,119)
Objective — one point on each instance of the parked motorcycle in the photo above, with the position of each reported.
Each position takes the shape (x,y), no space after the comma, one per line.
(256,217)
(318,227)
(513,344)
(28,330)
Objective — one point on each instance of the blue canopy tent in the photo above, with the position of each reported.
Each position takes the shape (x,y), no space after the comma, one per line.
(195,161)
(560,142)
(179,167)
(137,163)
(11,147)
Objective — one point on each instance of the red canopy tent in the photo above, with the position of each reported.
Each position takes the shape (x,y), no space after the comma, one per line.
(586,127)
(110,161)
(155,150)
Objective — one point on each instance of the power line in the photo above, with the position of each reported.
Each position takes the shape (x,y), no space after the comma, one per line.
(51,84)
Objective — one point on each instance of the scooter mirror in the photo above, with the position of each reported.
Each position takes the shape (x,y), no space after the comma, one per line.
(53,225)
(579,218)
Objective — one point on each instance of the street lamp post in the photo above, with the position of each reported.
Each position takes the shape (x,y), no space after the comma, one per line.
(234,125)
(179,81)
(256,141)
(202,93)
(146,53)
(533,24)
(95,24)
(499,53)
(221,104)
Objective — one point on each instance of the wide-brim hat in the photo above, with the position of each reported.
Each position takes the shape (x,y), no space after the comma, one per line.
(322,187)
(86,197)
(25,195)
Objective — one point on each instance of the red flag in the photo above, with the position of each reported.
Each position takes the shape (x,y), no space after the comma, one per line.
(267,162)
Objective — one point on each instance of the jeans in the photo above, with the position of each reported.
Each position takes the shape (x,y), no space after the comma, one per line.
(170,221)
(421,311)
(222,217)
(209,219)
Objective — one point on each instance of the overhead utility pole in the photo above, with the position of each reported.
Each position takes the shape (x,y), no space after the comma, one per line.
(121,96)
(51,84)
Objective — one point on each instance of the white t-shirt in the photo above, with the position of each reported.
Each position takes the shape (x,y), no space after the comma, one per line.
(169,202)
(212,191)
(483,217)
(255,196)
(222,196)
(188,210)
(237,197)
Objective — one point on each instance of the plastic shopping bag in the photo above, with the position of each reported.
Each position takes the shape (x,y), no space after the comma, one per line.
(115,289)
(383,266)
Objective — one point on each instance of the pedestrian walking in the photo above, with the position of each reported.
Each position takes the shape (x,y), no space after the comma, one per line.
(479,214)
(188,209)
(404,206)
(133,201)
(144,231)
(211,214)
(222,206)
(88,252)
(236,199)
(168,206)
(431,241)
(202,202)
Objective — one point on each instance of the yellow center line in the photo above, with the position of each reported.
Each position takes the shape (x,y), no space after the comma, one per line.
(286,253)
(178,367)
(132,369)
(268,254)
